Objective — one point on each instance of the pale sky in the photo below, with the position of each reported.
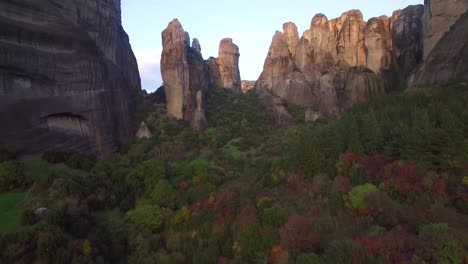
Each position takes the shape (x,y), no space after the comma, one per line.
(250,23)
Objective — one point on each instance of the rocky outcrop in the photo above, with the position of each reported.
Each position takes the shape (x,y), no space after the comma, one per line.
(226,66)
(187,77)
(184,74)
(143,131)
(439,16)
(247,86)
(339,62)
(448,60)
(275,108)
(68,76)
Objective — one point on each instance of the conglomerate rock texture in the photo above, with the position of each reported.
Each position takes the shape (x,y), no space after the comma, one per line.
(187,77)
(342,61)
(68,76)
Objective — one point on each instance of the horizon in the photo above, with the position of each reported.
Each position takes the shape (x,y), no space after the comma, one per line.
(252,33)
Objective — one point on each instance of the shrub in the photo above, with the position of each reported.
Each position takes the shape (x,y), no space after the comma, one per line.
(359,193)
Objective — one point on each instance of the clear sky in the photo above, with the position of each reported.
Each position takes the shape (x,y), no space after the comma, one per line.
(250,23)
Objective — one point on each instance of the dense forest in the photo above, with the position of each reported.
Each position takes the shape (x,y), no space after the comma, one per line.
(386,183)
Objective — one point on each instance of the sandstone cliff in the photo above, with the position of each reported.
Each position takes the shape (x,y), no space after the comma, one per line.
(339,62)
(68,77)
(187,77)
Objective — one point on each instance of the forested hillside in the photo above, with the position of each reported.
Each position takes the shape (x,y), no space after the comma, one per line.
(386,183)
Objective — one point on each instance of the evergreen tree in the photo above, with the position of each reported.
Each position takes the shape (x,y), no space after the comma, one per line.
(335,200)
(354,141)
(371,134)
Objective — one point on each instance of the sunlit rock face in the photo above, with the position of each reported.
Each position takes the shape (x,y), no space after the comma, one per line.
(339,62)
(68,76)
(187,77)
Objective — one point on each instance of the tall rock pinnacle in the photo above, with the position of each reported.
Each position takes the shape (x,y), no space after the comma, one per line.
(187,77)
(184,75)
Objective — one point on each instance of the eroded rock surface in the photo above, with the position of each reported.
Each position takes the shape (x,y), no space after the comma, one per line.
(187,77)
(448,60)
(439,16)
(68,76)
(339,62)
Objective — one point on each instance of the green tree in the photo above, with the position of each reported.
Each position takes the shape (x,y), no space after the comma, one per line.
(144,177)
(164,194)
(342,251)
(335,200)
(354,141)
(274,216)
(371,133)
(359,193)
(145,216)
(440,244)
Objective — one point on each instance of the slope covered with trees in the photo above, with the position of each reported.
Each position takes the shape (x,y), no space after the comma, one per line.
(386,183)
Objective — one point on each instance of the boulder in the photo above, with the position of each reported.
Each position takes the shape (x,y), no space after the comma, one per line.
(68,76)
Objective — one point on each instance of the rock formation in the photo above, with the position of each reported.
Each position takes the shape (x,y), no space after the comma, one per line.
(225,69)
(247,85)
(448,60)
(187,77)
(342,61)
(68,76)
(143,131)
(439,16)
(407,36)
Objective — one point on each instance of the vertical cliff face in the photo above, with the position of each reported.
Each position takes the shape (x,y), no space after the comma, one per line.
(187,77)
(342,61)
(448,60)
(407,36)
(439,16)
(445,43)
(67,59)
